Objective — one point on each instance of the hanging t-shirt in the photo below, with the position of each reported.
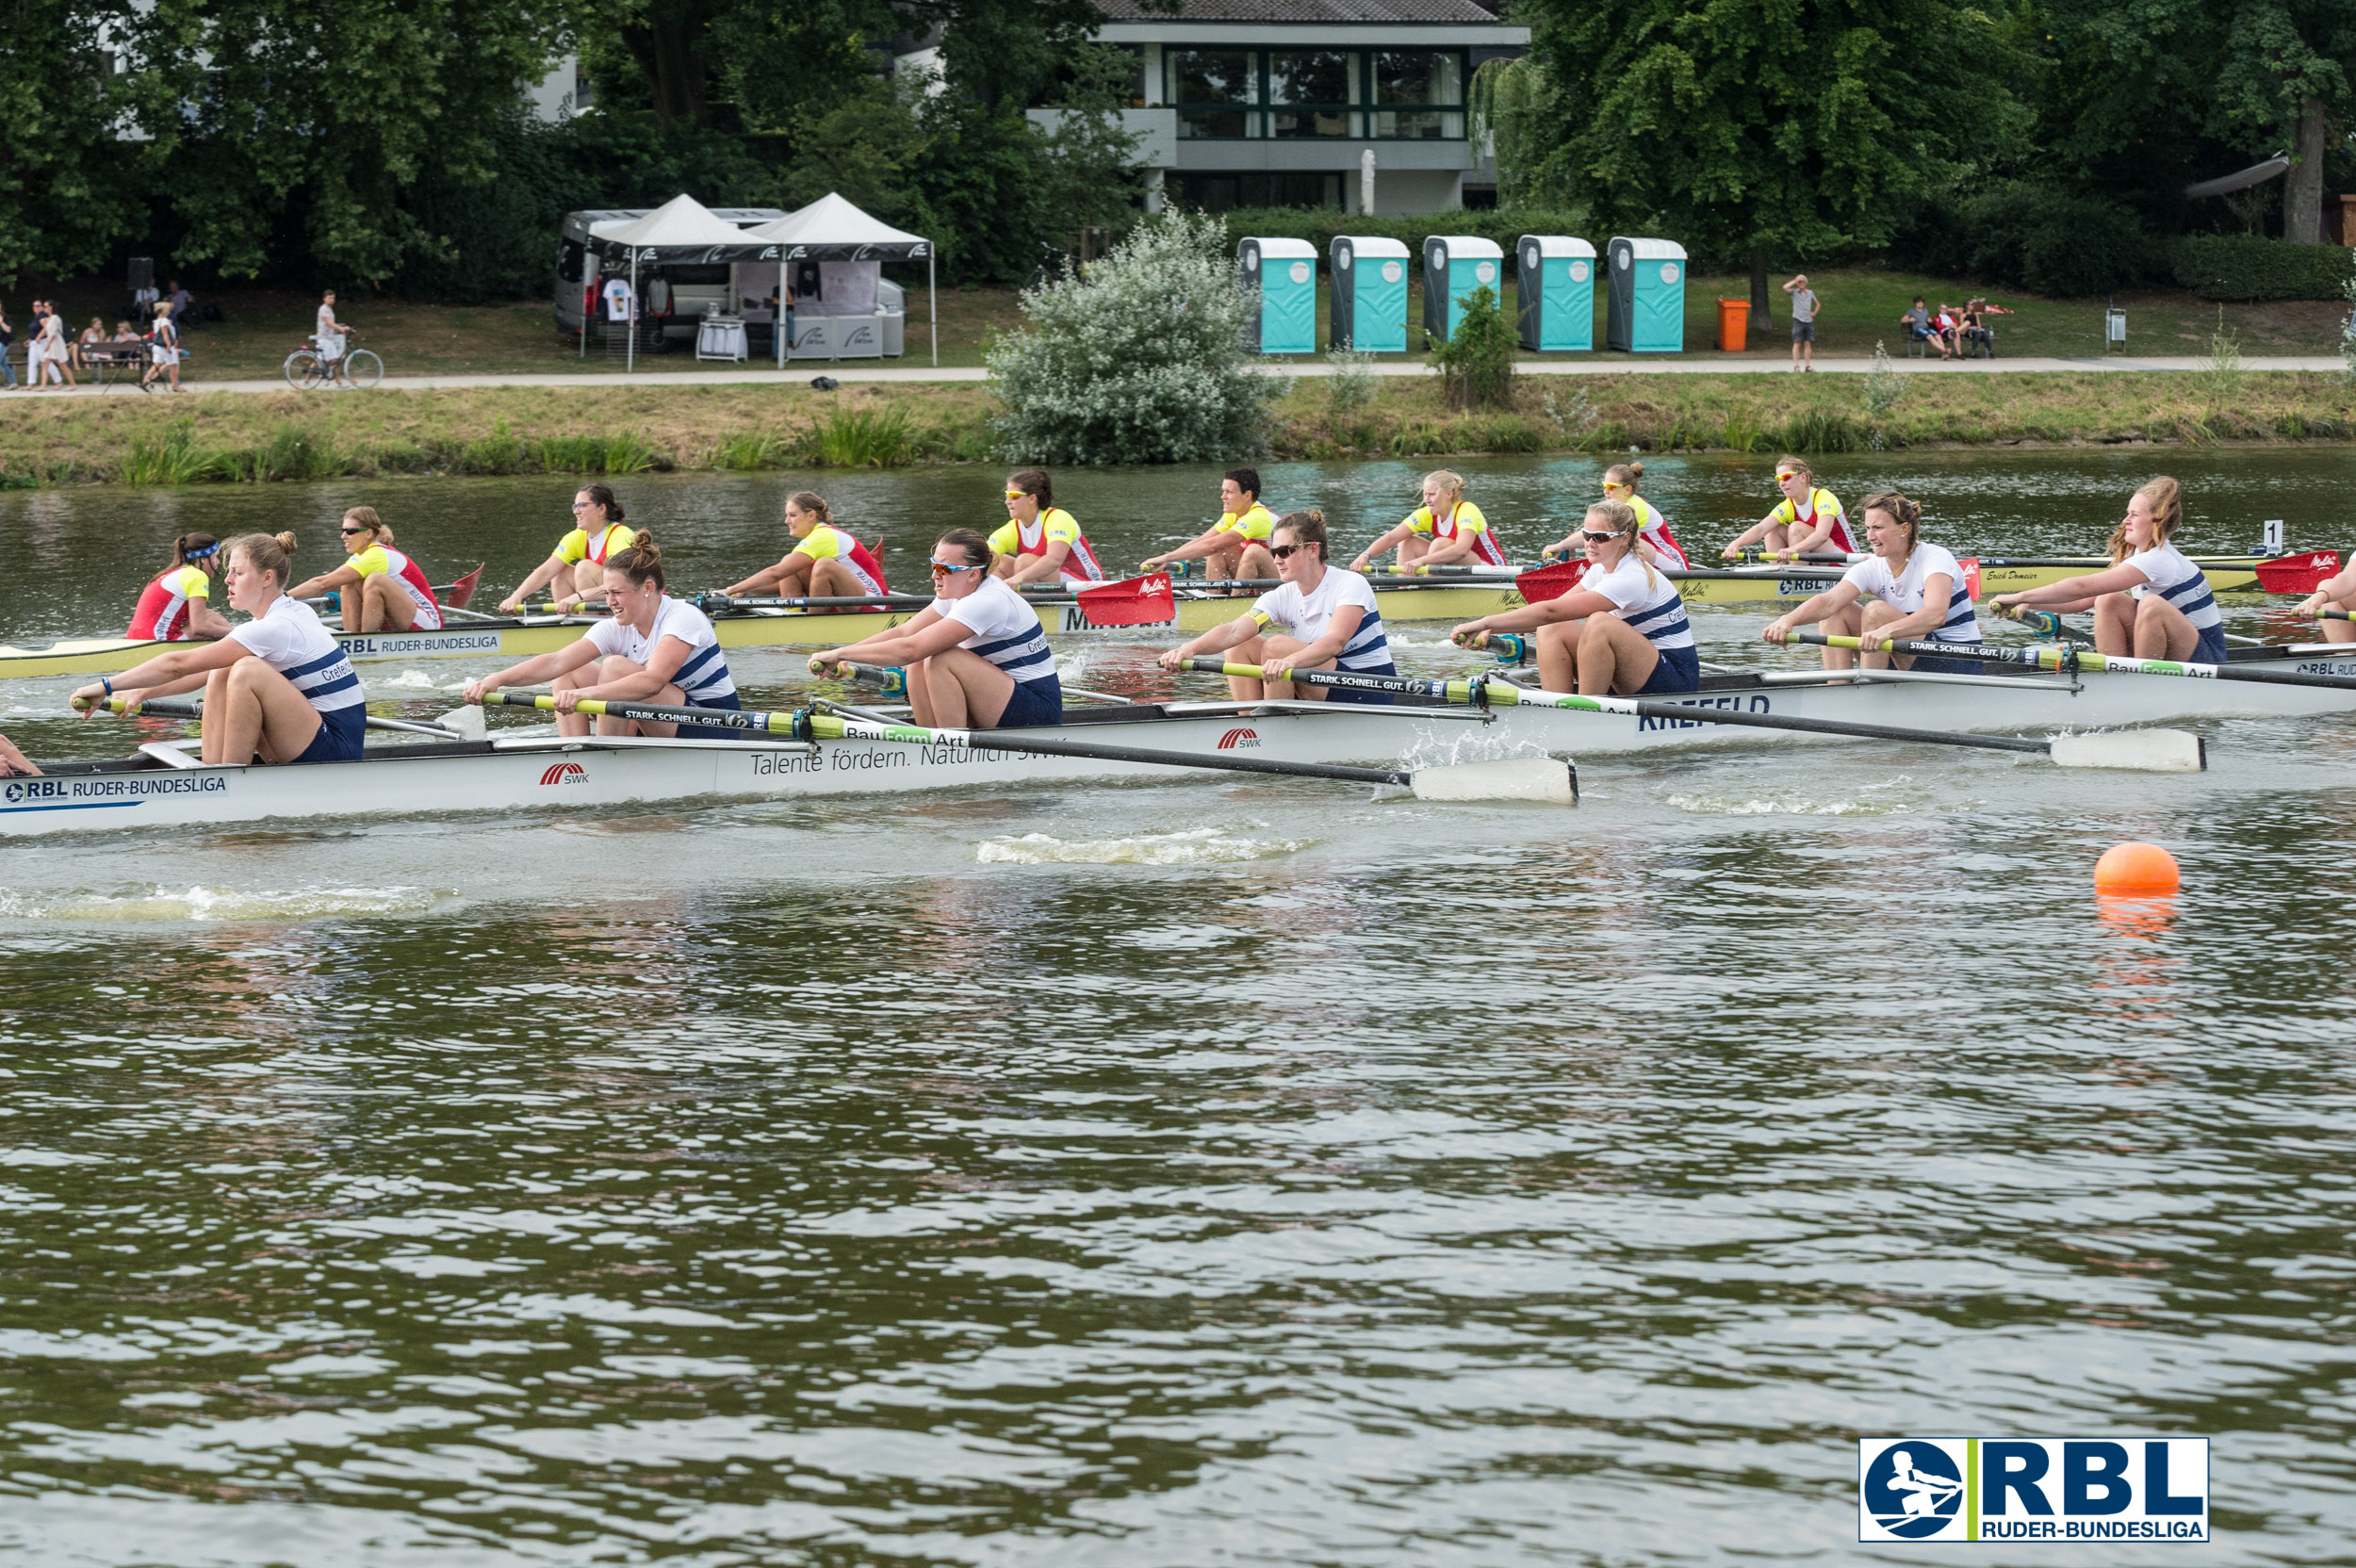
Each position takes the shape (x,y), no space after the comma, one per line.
(1904,593)
(1307,616)
(166,602)
(598,548)
(290,640)
(827,543)
(703,676)
(1254,522)
(1054,526)
(617,300)
(1006,628)
(1653,528)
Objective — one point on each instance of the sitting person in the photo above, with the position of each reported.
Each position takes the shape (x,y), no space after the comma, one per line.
(1917,322)
(1976,332)
(1948,326)
(95,332)
(125,333)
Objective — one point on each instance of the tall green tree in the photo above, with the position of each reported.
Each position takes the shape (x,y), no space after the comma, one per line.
(73,166)
(1788,126)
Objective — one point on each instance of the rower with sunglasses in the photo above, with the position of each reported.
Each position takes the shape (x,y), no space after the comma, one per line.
(1331,615)
(1621,633)
(1040,542)
(976,657)
(1806,521)
(382,589)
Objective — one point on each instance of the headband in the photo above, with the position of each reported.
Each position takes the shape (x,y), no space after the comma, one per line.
(208,552)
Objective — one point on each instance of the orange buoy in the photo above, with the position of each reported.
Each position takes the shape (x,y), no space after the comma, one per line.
(2136,868)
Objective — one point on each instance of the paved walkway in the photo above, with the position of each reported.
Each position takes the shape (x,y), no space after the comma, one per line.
(1697,364)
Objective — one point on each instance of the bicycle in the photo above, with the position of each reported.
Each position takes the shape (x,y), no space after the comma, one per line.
(306,368)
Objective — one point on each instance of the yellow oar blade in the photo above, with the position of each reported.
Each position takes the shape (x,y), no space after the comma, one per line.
(1546,780)
(2135,750)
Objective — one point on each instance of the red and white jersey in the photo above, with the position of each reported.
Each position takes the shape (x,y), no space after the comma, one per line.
(1465,517)
(162,616)
(828,542)
(1054,526)
(1653,528)
(408,576)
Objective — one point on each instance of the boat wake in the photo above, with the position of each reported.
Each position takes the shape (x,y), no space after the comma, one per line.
(410,680)
(1715,805)
(219,904)
(1200,846)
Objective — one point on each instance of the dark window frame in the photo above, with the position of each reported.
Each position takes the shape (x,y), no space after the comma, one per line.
(1375,106)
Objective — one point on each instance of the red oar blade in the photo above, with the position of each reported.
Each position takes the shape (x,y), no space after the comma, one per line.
(2297,574)
(455,594)
(1133,601)
(1970,564)
(1549,582)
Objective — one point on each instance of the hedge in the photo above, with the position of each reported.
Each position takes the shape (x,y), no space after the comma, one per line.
(2251,267)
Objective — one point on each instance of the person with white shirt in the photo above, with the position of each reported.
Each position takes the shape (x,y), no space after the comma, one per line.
(329,334)
(1622,631)
(278,687)
(2151,602)
(976,657)
(653,649)
(1907,590)
(1329,617)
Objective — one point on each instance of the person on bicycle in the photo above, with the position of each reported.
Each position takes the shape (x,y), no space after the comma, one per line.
(329,336)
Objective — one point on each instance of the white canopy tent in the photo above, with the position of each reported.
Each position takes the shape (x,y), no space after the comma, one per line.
(831,229)
(680,230)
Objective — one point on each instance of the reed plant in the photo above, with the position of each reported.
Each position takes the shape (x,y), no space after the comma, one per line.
(174,458)
(863,438)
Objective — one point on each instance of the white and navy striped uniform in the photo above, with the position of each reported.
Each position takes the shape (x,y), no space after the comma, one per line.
(1652,607)
(1006,631)
(1904,591)
(2176,579)
(703,678)
(289,639)
(1307,616)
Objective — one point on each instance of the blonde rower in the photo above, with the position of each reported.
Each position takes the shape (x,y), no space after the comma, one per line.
(1654,542)
(382,589)
(826,560)
(2152,603)
(1907,590)
(278,687)
(1622,631)
(1445,531)
(1808,521)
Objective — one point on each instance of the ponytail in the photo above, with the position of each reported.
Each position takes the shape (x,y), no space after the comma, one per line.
(2167,500)
(642,562)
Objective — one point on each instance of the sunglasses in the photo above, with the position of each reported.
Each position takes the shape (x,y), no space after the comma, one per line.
(1016,494)
(1281,552)
(582,506)
(1593,538)
(944,568)
(1780,478)
(1614,484)
(347,532)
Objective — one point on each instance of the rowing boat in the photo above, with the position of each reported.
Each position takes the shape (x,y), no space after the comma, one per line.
(163,787)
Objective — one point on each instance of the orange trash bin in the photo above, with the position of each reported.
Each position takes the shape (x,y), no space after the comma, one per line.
(1734,324)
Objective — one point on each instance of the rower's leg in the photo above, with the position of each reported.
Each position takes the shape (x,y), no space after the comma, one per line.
(216,745)
(968,692)
(1252,651)
(1877,616)
(1614,659)
(576,724)
(589,577)
(2115,624)
(1776,539)
(1412,551)
(615,667)
(1270,649)
(2340,632)
(1225,565)
(283,720)
(2162,631)
(1842,623)
(389,608)
(833,580)
(1557,655)
(1255,561)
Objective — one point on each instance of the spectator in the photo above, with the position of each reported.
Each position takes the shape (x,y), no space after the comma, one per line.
(1803,321)
(163,350)
(54,362)
(95,332)
(180,300)
(1976,331)
(1917,322)
(329,334)
(5,332)
(125,333)
(1950,329)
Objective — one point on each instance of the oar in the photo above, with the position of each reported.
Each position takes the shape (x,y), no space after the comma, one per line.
(2045,623)
(2336,616)
(710,602)
(1533,778)
(2141,750)
(459,724)
(2072,658)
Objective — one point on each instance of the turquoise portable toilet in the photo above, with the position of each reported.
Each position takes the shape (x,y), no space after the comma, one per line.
(1453,266)
(1369,294)
(1556,290)
(1284,273)
(1647,296)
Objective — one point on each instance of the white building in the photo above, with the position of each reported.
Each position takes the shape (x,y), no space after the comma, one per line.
(1276,102)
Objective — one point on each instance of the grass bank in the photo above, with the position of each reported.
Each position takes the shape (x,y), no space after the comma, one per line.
(638,430)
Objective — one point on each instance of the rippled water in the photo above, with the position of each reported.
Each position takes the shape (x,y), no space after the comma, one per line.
(1179,1173)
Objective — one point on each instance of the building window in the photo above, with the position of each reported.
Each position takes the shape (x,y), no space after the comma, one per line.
(1226,192)
(1213,90)
(1418,94)
(1311,92)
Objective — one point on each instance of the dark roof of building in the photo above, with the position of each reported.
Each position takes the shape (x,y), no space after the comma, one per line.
(1313,12)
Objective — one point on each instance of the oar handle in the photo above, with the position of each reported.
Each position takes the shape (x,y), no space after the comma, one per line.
(1346,680)
(156,708)
(654,713)
(891,679)
(2336,616)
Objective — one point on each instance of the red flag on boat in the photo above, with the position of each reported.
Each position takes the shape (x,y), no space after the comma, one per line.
(1549,582)
(1133,601)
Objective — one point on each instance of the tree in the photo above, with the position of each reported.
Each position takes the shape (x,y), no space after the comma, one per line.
(71,181)
(1800,126)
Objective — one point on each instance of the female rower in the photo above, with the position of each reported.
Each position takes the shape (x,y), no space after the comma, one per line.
(1906,589)
(576,569)
(977,656)
(652,649)
(1806,521)
(382,589)
(173,605)
(1621,631)
(1446,530)
(825,561)
(2337,592)
(1328,614)
(1235,547)
(1040,542)
(1654,540)
(2151,603)
(278,687)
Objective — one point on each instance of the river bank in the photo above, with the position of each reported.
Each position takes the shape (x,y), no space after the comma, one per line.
(152,441)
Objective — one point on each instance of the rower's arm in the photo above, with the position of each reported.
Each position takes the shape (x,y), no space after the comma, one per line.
(1453,550)
(1205,544)
(543,573)
(341,578)
(927,632)
(769,580)
(1750,535)
(1830,602)
(1577,605)
(661,669)
(1937,589)
(182,669)
(2079,591)
(535,671)
(207,622)
(1041,568)
(1395,536)
(1339,632)
(1218,640)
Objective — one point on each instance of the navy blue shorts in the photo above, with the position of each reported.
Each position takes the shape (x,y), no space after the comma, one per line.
(340,732)
(1034,705)
(1925,665)
(712,731)
(1364,699)
(1677,670)
(2211,648)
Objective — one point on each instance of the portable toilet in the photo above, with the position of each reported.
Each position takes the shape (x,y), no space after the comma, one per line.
(1556,288)
(1369,294)
(1284,273)
(1647,296)
(1453,266)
